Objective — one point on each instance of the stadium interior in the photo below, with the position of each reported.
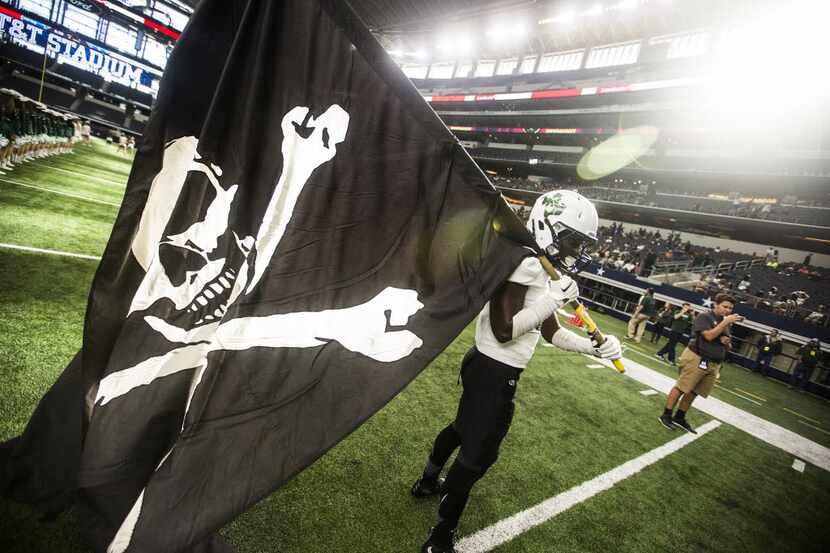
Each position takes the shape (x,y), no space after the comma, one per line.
(699,129)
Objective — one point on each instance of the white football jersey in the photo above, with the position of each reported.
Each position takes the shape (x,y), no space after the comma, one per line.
(516,353)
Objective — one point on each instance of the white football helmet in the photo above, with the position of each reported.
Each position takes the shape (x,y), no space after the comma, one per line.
(564,224)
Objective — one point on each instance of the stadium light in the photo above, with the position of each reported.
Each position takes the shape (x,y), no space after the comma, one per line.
(464,44)
(627,5)
(789,42)
(594,11)
(566,17)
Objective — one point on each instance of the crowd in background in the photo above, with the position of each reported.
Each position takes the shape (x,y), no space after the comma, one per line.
(792,290)
(813,212)
(30,130)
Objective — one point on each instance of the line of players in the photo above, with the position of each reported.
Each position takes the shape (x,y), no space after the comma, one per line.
(30,130)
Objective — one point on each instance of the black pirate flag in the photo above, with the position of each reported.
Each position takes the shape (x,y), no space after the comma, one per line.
(300,237)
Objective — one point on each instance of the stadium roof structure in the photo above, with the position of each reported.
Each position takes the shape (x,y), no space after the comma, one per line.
(546,25)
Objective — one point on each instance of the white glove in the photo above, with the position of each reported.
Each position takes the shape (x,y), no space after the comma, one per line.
(563,290)
(610,348)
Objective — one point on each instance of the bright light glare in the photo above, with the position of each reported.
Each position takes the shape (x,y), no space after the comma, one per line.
(615,153)
(594,11)
(504,33)
(627,4)
(771,66)
(464,44)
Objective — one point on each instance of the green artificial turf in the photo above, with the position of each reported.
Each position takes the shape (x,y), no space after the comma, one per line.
(726,491)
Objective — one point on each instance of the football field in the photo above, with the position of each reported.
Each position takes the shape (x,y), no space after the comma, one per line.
(582,433)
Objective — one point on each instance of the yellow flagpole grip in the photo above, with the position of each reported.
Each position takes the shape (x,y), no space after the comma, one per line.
(582,313)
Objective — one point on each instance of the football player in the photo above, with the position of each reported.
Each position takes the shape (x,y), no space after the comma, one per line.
(564,224)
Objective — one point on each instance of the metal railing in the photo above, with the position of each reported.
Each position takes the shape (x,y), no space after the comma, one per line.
(624,302)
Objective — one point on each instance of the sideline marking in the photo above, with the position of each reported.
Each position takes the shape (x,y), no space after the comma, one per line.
(719,387)
(649,392)
(50,252)
(653,358)
(86,175)
(771,433)
(511,527)
(595,366)
(800,415)
(799,465)
(69,194)
(814,427)
(759,398)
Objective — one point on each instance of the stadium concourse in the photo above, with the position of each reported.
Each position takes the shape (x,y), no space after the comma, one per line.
(705,182)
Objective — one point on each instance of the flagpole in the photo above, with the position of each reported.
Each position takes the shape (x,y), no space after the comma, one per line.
(42,74)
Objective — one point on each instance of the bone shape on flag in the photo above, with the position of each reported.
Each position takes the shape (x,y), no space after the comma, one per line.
(215,281)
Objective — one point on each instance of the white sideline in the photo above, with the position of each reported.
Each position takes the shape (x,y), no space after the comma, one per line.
(507,529)
(50,252)
(84,175)
(68,194)
(787,440)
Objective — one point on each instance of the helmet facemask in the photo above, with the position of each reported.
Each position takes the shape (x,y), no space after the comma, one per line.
(569,250)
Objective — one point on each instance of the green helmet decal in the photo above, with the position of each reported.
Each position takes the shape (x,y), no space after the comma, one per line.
(553,204)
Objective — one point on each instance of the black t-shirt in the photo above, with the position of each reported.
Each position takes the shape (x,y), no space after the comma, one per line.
(714,350)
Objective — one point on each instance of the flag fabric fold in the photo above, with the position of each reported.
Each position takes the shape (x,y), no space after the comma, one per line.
(301,235)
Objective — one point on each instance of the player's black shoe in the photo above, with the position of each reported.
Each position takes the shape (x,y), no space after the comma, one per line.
(439,541)
(424,487)
(684,424)
(666,420)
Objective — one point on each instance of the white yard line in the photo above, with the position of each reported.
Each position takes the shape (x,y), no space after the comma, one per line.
(652,357)
(787,440)
(68,194)
(84,175)
(743,397)
(509,528)
(50,252)
(649,392)
(814,427)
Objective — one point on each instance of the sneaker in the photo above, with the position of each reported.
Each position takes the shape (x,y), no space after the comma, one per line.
(439,542)
(425,488)
(684,424)
(659,356)
(666,421)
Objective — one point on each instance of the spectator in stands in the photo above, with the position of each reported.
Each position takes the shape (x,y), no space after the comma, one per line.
(700,362)
(680,325)
(808,355)
(808,260)
(642,313)
(769,346)
(817,317)
(663,320)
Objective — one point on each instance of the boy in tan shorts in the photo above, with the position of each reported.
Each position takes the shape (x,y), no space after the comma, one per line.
(701,361)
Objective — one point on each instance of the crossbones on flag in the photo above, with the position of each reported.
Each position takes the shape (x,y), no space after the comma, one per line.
(300,237)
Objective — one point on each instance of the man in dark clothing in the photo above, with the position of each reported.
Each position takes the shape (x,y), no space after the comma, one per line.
(768,347)
(642,313)
(809,354)
(681,324)
(664,319)
(700,362)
